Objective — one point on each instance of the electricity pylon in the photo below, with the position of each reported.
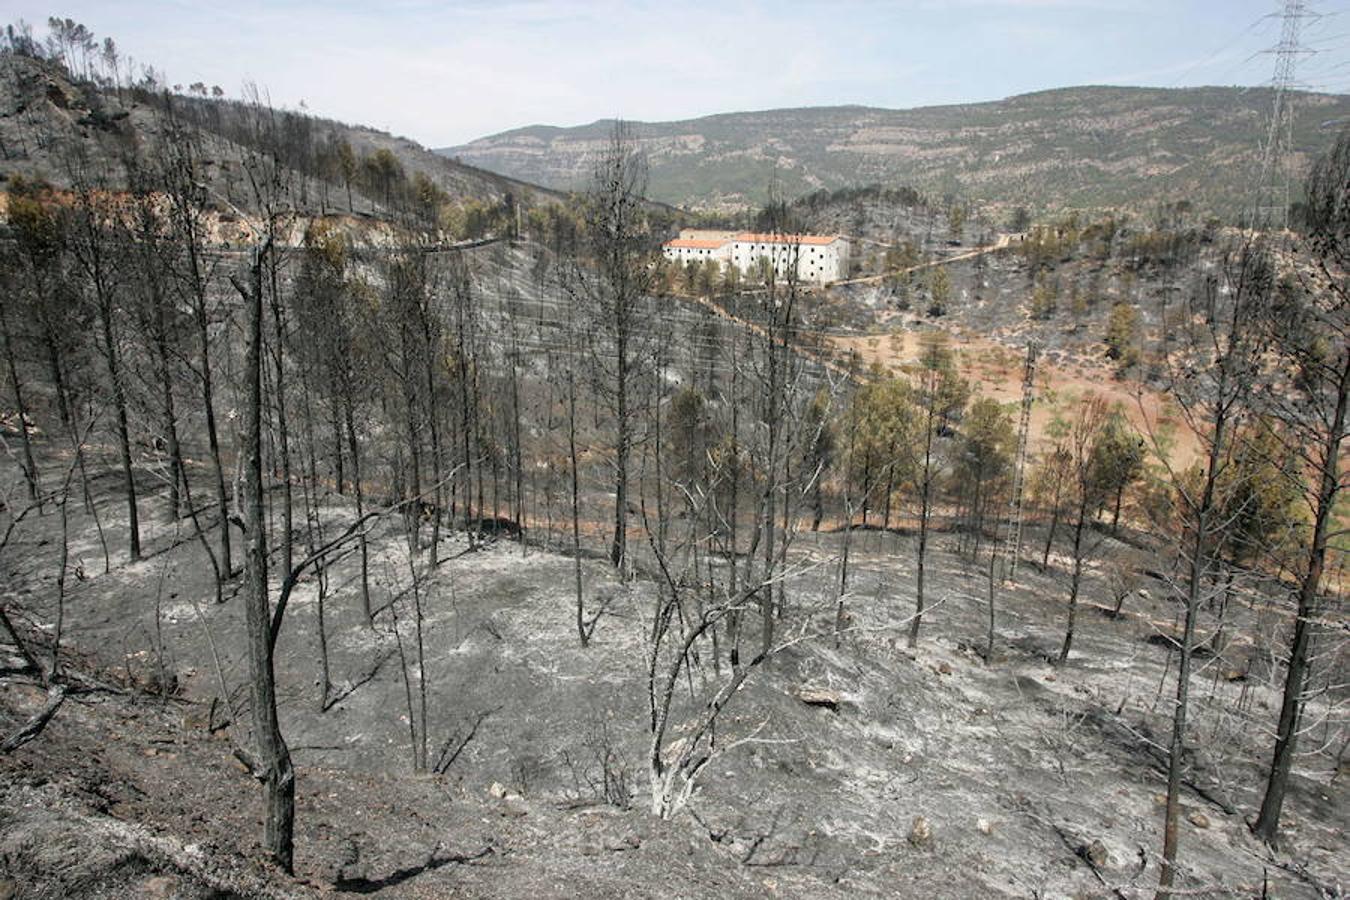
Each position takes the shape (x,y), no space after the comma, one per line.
(1271,206)
(1012,546)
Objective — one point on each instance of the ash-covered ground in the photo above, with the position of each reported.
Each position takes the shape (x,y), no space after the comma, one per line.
(848,768)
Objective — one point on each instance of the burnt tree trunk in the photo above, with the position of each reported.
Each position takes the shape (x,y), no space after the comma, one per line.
(1075,579)
(1296,682)
(113,360)
(273,763)
(30,472)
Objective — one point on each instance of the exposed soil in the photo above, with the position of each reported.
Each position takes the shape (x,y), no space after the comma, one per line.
(995,370)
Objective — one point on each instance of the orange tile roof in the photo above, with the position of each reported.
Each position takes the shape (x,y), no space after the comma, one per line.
(694,244)
(751,237)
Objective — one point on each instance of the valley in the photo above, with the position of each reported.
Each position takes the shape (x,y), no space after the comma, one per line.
(376,520)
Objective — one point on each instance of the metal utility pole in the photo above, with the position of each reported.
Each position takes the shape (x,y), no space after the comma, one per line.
(1271,203)
(1012,547)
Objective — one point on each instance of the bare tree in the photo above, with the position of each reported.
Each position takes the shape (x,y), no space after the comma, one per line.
(270,187)
(619,241)
(1048,483)
(681,624)
(155,314)
(97,228)
(184,186)
(1212,379)
(940,396)
(464,321)
(30,471)
(330,313)
(777,379)
(573,353)
(1084,440)
(414,359)
(273,763)
(1313,338)
(50,300)
(982,466)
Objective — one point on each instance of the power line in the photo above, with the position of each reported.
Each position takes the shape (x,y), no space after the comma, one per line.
(1222,49)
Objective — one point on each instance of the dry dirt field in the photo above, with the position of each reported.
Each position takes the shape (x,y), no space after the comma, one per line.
(995,370)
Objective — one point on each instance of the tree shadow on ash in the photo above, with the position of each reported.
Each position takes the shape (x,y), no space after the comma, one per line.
(363,885)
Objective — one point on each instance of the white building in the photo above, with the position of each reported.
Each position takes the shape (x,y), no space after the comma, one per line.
(685,250)
(819,259)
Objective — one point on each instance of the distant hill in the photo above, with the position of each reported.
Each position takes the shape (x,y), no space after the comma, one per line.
(1074,147)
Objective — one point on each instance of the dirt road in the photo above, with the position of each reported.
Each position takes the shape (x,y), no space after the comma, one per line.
(1001,243)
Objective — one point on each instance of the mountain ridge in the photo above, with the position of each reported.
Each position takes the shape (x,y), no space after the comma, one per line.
(1073,147)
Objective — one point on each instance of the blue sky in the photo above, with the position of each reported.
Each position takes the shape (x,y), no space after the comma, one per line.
(446,72)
